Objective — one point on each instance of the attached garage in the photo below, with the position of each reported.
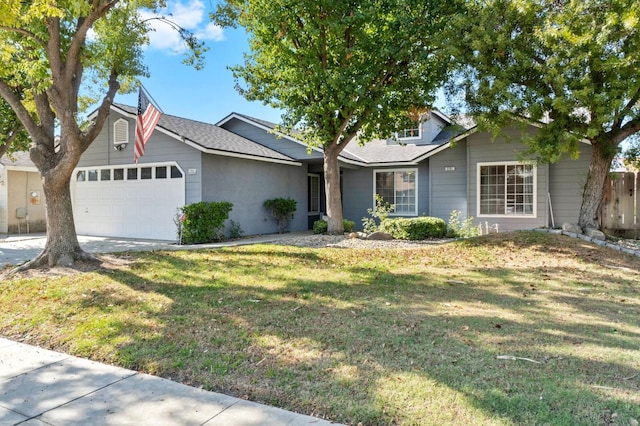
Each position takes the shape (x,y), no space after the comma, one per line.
(131,201)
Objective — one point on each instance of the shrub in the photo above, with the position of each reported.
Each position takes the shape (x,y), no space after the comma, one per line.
(380,212)
(461,228)
(282,210)
(321,226)
(203,222)
(418,228)
(235,230)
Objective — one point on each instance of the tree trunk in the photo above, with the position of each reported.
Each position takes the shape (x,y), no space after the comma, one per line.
(62,247)
(601,158)
(332,190)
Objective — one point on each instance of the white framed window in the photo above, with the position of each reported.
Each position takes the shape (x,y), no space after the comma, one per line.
(121,132)
(414,132)
(507,189)
(398,187)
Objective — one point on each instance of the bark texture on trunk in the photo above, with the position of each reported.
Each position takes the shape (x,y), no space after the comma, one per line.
(601,158)
(62,247)
(332,190)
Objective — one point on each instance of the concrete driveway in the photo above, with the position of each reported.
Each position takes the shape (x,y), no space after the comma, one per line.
(17,249)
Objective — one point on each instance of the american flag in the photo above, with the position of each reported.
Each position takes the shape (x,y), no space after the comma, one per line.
(148,116)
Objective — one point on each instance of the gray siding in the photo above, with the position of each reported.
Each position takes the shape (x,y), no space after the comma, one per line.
(160,148)
(247,184)
(263,137)
(358,187)
(482,149)
(566,184)
(449,187)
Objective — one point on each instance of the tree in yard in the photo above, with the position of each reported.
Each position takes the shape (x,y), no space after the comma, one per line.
(573,62)
(12,134)
(46,48)
(341,68)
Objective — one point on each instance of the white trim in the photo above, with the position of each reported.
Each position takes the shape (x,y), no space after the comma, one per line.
(505,164)
(411,138)
(406,169)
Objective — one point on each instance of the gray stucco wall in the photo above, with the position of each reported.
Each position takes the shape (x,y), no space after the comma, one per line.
(263,137)
(247,184)
(481,148)
(566,184)
(449,187)
(160,148)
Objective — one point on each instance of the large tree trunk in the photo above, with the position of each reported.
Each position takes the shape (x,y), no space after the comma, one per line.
(62,247)
(601,158)
(332,190)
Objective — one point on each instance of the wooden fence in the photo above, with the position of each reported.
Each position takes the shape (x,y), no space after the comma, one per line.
(619,210)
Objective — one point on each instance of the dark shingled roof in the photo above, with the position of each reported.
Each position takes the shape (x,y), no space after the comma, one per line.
(210,136)
(379,151)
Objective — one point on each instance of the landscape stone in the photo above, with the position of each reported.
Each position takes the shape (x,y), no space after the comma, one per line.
(380,236)
(596,234)
(570,227)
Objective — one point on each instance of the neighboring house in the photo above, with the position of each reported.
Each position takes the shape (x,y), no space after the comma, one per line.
(22,204)
(431,169)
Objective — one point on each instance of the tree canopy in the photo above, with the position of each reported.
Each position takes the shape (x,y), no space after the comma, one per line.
(341,68)
(49,50)
(572,63)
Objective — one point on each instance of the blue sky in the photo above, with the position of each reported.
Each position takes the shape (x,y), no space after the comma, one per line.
(207,95)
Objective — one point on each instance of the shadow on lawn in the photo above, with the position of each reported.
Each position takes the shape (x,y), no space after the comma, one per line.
(379,347)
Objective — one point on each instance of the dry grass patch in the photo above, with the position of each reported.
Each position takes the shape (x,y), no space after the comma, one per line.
(371,336)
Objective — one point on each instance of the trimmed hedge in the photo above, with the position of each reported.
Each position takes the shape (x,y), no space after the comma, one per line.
(204,221)
(417,228)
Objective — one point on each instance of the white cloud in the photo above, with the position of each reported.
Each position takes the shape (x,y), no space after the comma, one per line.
(191,16)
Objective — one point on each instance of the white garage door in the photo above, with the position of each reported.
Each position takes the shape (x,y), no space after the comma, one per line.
(135,201)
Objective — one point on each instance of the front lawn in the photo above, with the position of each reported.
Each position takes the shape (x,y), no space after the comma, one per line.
(509,329)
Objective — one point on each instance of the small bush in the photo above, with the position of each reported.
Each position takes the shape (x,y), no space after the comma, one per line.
(418,228)
(348,225)
(321,226)
(203,222)
(235,230)
(377,214)
(282,210)
(461,228)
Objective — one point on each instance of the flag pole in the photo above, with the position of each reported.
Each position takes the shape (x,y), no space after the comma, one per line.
(148,95)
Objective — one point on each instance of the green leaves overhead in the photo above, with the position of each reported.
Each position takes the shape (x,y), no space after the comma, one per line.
(341,67)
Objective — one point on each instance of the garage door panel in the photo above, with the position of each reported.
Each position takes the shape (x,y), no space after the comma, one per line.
(141,208)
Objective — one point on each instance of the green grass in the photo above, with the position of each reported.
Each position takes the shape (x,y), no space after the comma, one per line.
(407,336)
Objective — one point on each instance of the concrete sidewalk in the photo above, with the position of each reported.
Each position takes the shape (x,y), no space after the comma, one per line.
(41,387)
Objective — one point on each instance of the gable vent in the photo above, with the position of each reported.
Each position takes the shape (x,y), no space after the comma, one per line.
(121,132)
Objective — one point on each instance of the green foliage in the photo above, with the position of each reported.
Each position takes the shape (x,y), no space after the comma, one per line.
(235,230)
(348,225)
(13,137)
(573,64)
(320,226)
(204,221)
(457,227)
(377,214)
(416,228)
(282,210)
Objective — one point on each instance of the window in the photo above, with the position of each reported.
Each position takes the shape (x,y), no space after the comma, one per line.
(506,189)
(105,174)
(93,175)
(132,174)
(120,132)
(161,172)
(398,187)
(314,194)
(175,172)
(410,133)
(145,173)
(80,176)
(118,174)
